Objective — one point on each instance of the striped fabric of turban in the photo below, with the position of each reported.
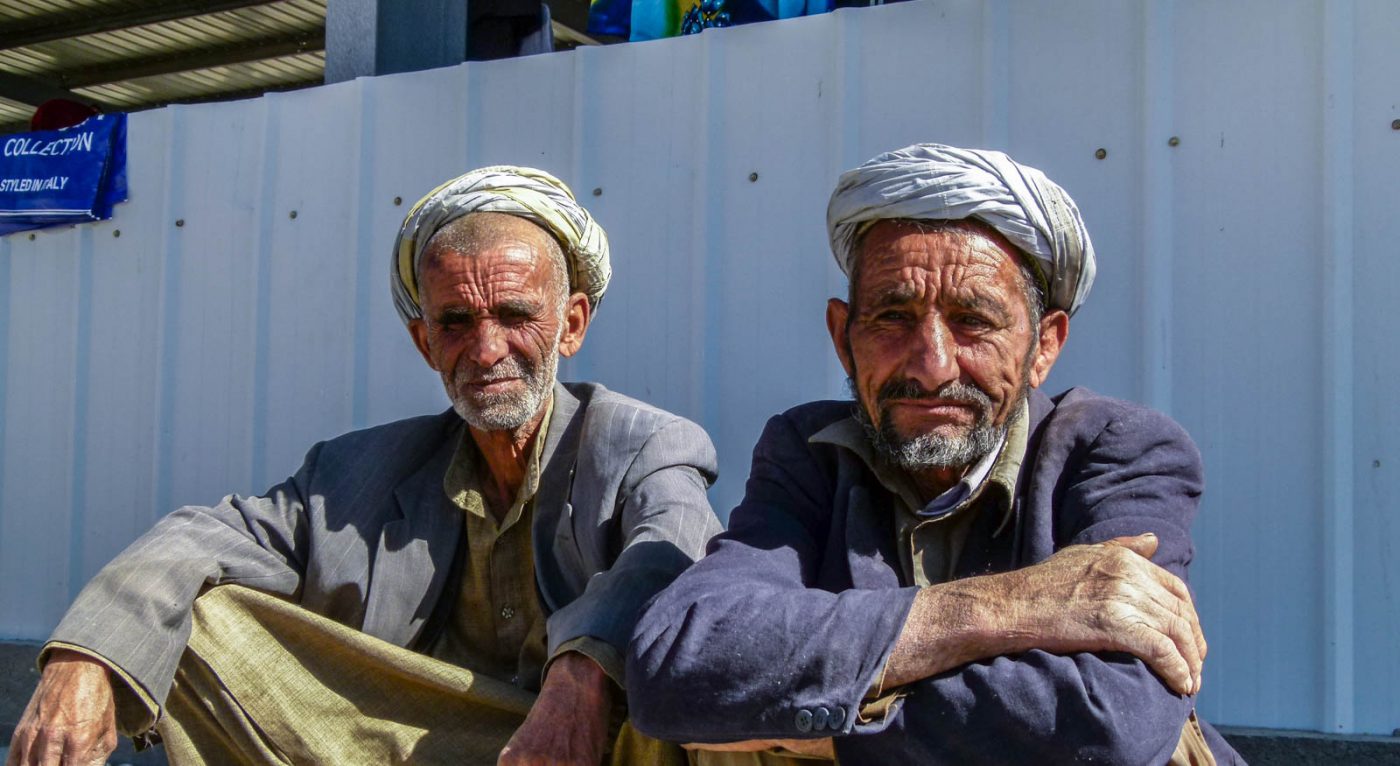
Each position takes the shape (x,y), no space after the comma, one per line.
(525,192)
(933,182)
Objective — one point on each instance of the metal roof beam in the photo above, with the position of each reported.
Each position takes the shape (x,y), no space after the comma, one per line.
(56,26)
(34,91)
(185,61)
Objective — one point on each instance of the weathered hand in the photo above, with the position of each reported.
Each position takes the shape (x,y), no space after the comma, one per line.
(1110,597)
(1085,598)
(71,719)
(817,748)
(568,724)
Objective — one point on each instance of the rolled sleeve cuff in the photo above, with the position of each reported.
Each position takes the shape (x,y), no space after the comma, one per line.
(874,714)
(604,654)
(879,703)
(137,711)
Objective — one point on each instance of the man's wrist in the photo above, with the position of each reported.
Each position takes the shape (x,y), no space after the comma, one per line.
(950,625)
(581,675)
(137,711)
(601,652)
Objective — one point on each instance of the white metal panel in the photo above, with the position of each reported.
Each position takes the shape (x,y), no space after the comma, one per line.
(639,178)
(208,307)
(1073,91)
(766,346)
(119,384)
(413,138)
(38,439)
(1375,164)
(310,310)
(1247,345)
(1245,279)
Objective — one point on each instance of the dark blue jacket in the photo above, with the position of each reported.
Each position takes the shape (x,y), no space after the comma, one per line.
(797,606)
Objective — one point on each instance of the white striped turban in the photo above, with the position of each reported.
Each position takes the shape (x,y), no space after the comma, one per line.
(528,193)
(933,182)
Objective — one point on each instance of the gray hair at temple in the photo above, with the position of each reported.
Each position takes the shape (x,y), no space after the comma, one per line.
(523,192)
(933,182)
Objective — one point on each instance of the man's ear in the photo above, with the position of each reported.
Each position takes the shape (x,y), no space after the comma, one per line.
(577,314)
(418,329)
(1054,331)
(837,313)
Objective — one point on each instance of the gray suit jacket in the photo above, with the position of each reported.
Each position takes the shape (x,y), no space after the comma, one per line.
(364,534)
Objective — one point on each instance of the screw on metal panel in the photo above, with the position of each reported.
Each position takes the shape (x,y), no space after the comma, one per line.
(1395,125)
(116,232)
(1173,141)
(597,191)
(179,222)
(292,214)
(753,177)
(1101,153)
(398,201)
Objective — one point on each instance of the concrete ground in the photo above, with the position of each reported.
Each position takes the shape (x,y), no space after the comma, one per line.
(1260,747)
(1274,747)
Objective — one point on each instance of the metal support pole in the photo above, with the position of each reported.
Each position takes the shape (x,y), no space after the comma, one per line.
(371,37)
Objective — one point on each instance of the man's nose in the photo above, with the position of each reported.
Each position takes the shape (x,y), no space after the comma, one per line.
(933,355)
(487,344)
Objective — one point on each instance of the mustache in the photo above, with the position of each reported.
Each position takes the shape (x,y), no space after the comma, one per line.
(952,391)
(511,366)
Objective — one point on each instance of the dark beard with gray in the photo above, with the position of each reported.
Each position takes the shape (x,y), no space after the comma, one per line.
(927,451)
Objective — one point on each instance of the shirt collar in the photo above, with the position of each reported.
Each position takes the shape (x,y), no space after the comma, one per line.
(462,483)
(969,483)
(999,469)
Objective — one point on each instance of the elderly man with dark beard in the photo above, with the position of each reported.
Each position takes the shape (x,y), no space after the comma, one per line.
(454,588)
(956,569)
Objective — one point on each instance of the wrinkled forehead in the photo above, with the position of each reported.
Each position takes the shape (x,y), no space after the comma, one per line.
(892,245)
(474,233)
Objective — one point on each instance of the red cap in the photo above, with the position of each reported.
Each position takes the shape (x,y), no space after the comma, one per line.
(60,113)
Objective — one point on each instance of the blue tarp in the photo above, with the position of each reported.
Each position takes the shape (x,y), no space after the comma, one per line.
(56,177)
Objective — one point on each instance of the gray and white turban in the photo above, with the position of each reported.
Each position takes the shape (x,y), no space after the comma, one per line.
(525,192)
(933,182)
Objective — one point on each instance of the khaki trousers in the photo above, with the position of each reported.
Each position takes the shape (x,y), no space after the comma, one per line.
(266,682)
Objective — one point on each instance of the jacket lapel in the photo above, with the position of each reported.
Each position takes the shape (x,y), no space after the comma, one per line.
(1020,555)
(415,551)
(557,571)
(870,552)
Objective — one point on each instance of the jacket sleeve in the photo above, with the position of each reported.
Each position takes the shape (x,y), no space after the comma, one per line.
(1140,473)
(744,645)
(135,613)
(665,521)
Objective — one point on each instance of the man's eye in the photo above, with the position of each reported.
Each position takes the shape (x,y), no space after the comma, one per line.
(972,321)
(893,315)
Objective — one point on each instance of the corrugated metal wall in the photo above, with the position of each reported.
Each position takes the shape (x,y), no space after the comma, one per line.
(236,310)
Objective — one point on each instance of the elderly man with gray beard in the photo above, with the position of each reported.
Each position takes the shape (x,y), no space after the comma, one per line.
(450,588)
(956,568)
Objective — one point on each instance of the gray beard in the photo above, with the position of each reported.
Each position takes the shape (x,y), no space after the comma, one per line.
(505,412)
(928,451)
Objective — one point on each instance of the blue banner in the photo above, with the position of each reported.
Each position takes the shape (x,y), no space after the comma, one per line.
(55,177)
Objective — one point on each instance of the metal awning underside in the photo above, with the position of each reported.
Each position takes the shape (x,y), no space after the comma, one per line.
(126,55)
